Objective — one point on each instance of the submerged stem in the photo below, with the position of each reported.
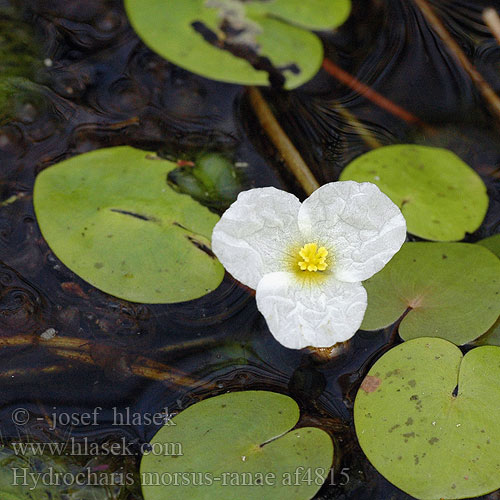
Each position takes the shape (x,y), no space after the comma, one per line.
(483,86)
(283,144)
(365,134)
(492,20)
(83,351)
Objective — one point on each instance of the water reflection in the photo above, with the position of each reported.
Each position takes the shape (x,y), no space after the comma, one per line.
(99,87)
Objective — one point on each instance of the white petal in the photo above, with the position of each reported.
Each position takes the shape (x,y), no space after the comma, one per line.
(301,314)
(360,224)
(255,232)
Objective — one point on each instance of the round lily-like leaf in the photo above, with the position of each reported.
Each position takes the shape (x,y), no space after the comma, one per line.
(447,290)
(238,445)
(110,216)
(441,197)
(427,419)
(239,41)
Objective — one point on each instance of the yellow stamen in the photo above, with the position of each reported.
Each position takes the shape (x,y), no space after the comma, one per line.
(312,258)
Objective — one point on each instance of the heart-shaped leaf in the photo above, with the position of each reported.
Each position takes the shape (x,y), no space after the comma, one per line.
(448,290)
(441,197)
(238,446)
(239,41)
(428,436)
(110,216)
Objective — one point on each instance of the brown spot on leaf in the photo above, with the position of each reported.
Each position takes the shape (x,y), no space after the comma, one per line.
(370,384)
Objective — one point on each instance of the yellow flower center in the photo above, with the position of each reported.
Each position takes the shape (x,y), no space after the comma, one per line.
(311,258)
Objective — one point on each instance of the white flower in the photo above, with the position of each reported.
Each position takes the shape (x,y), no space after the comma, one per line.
(307,260)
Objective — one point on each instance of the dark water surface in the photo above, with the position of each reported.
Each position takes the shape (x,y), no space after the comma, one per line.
(102,87)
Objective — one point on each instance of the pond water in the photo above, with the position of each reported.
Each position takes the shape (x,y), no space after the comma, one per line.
(97,85)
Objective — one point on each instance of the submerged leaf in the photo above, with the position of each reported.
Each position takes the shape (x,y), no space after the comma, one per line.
(31,475)
(111,217)
(211,180)
(427,435)
(19,61)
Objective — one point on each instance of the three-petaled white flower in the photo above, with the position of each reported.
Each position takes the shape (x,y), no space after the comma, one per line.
(307,260)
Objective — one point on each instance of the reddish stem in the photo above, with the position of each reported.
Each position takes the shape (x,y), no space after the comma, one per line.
(350,81)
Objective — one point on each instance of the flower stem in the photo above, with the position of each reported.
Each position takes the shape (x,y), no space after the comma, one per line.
(283,144)
(325,354)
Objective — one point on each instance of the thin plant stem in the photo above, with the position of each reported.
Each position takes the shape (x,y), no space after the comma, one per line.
(492,20)
(482,85)
(360,129)
(325,354)
(283,144)
(372,95)
(12,373)
(191,344)
(81,351)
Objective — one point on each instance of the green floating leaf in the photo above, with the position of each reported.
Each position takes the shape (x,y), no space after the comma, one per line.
(238,445)
(449,290)
(492,244)
(441,197)
(425,435)
(110,216)
(224,39)
(212,180)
